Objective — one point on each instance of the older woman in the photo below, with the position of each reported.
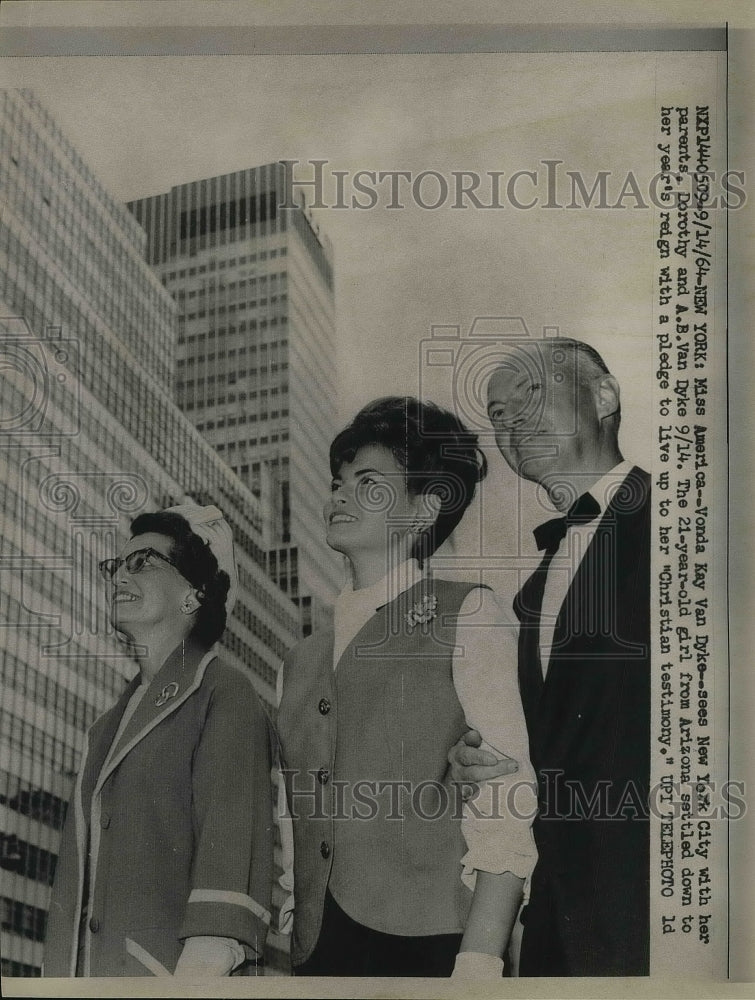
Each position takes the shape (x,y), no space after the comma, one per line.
(166,860)
(391,876)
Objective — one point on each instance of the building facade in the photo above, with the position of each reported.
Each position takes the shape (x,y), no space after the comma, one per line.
(89,437)
(253,285)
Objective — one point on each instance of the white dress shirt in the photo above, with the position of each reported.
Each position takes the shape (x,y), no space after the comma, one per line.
(566,561)
(486,683)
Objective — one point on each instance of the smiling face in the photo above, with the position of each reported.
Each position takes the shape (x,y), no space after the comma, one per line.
(152,596)
(544,415)
(369,507)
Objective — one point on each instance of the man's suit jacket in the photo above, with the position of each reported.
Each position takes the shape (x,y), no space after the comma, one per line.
(590,745)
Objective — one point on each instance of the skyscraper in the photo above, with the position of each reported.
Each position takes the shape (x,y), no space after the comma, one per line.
(253,285)
(89,437)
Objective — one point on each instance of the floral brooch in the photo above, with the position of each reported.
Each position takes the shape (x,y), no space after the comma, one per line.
(422,611)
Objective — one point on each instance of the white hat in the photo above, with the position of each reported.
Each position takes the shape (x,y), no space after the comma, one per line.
(209,523)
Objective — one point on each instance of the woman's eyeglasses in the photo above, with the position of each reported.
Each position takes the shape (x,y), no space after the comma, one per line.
(133,562)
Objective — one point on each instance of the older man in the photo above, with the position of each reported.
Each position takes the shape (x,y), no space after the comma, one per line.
(584,663)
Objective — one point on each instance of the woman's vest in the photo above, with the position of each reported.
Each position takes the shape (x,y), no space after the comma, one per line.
(365,754)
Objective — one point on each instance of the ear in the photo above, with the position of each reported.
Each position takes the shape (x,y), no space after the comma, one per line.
(607,396)
(191,602)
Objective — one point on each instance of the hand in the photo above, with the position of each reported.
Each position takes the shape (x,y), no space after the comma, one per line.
(515,946)
(471,765)
(208,956)
(477,965)
(286,913)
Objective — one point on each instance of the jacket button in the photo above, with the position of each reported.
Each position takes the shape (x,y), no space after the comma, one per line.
(323,775)
(324,706)
(94,925)
(325,849)
(105,821)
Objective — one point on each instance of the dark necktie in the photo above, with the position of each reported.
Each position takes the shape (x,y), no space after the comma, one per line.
(528,602)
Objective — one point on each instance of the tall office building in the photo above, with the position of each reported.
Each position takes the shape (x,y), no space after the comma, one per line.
(89,437)
(253,285)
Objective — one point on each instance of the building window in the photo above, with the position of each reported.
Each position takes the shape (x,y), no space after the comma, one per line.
(10,968)
(23,919)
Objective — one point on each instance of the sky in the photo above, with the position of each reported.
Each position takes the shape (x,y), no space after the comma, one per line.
(146,123)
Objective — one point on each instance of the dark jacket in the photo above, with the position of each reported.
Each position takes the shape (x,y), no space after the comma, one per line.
(588,913)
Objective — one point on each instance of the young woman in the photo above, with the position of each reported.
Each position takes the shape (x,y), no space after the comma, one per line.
(166,860)
(391,876)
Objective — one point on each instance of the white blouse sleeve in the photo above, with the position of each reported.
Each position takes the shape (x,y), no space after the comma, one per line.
(497,822)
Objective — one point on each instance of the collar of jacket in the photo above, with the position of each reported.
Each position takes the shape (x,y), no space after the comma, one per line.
(177,679)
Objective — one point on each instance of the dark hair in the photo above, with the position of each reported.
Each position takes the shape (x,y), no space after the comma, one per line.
(196,562)
(435,450)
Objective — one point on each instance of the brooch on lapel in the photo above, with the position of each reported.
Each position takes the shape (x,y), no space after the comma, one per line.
(168,692)
(422,611)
